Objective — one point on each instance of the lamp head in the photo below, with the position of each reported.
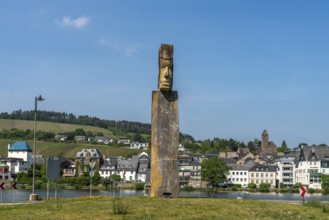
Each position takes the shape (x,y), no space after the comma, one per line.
(39,98)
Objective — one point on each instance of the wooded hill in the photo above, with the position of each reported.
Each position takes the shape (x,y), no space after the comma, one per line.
(64,122)
(62,117)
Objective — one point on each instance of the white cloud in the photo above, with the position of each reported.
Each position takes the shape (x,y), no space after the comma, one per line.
(77,23)
(128,49)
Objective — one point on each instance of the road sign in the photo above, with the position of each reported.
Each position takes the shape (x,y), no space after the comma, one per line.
(91,173)
(92,165)
(2,186)
(14,185)
(303,191)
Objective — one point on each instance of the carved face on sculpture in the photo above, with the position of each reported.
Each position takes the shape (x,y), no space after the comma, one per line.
(165,75)
(165,67)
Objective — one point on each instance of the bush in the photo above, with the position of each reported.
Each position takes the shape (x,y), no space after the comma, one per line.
(234,188)
(38,184)
(325,183)
(311,190)
(139,186)
(119,206)
(252,185)
(317,204)
(297,185)
(281,185)
(237,185)
(188,188)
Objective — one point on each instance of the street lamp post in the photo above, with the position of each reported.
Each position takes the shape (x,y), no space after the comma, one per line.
(34,196)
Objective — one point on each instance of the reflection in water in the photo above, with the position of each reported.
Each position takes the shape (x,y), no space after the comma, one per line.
(23,195)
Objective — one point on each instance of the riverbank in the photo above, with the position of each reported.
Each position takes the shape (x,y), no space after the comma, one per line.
(107,207)
(23,195)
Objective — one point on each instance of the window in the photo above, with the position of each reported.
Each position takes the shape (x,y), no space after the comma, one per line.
(240,173)
(245,173)
(233,173)
(252,174)
(256,174)
(261,175)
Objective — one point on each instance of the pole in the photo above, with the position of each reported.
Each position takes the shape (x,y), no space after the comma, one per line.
(34,196)
(56,189)
(34,144)
(91,183)
(48,189)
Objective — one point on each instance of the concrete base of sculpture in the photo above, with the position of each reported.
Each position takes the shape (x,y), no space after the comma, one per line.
(164,145)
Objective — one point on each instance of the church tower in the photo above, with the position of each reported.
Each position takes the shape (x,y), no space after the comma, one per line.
(264,146)
(267,146)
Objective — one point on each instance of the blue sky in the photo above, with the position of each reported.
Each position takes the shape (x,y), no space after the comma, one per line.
(239,66)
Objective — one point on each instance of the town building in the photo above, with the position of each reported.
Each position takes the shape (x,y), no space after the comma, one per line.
(4,171)
(239,174)
(286,171)
(139,145)
(267,147)
(313,162)
(263,173)
(124,141)
(22,150)
(100,140)
(84,157)
(109,167)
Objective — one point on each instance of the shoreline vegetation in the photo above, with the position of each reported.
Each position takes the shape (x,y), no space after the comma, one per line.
(140,186)
(107,207)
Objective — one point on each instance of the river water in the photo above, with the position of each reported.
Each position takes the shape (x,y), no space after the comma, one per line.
(23,195)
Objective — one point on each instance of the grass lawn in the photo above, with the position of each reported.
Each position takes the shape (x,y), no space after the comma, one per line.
(151,208)
(49,126)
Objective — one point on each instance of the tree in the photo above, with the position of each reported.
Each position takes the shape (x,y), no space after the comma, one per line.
(252,185)
(79,131)
(251,146)
(284,147)
(264,187)
(137,137)
(325,183)
(96,178)
(214,170)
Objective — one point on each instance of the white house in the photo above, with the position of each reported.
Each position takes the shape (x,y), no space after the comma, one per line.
(313,162)
(21,150)
(239,174)
(124,141)
(109,167)
(138,145)
(143,170)
(286,172)
(263,173)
